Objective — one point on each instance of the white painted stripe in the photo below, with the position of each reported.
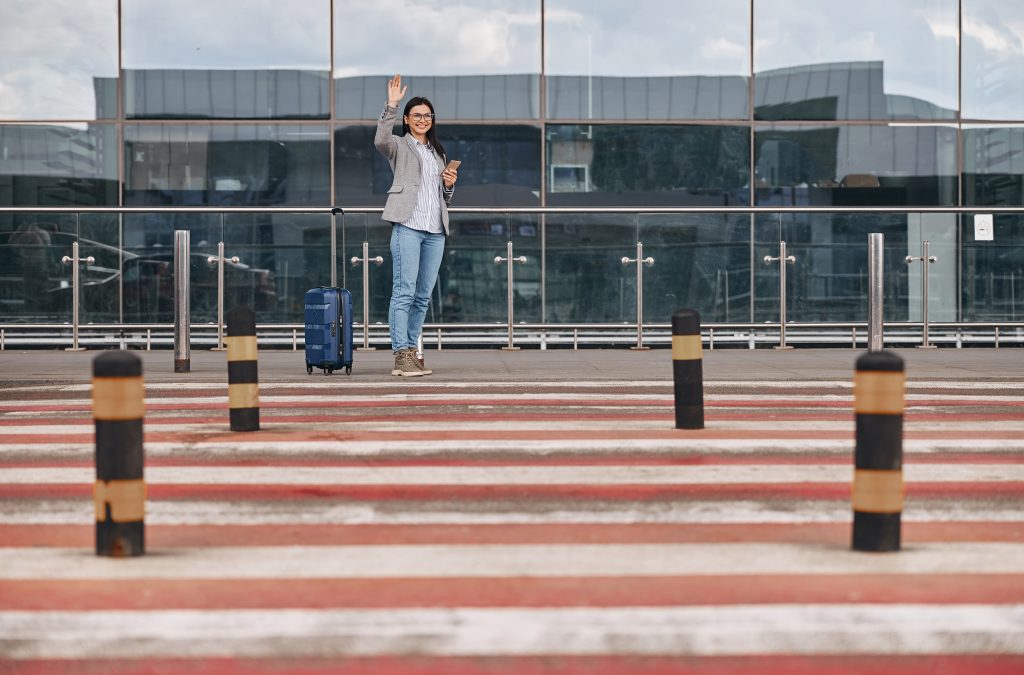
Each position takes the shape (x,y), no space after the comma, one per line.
(509,560)
(498,512)
(518,475)
(485,447)
(765,400)
(734,630)
(282,423)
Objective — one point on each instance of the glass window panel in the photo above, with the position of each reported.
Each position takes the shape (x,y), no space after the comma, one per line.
(993,60)
(34,285)
(649,165)
(237,59)
(873,59)
(994,166)
(58,165)
(58,60)
(993,271)
(586,281)
(701,261)
(474,59)
(500,165)
(656,59)
(855,165)
(281,257)
(227,164)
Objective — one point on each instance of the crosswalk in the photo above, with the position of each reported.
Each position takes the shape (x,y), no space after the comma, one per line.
(452,527)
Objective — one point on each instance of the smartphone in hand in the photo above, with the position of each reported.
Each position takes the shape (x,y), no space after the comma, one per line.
(454,164)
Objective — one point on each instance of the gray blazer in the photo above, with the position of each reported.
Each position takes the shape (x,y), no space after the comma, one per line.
(404,161)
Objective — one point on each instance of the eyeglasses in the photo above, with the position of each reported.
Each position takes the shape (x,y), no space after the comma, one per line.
(420,117)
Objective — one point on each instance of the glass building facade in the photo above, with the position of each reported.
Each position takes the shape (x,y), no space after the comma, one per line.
(548,103)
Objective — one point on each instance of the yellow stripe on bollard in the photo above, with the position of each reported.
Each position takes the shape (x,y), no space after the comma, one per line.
(118,398)
(241,347)
(127,499)
(686,348)
(877,491)
(879,392)
(244,395)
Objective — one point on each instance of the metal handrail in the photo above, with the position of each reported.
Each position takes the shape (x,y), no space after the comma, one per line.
(520,209)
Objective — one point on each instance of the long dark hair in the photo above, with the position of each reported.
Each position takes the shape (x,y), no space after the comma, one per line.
(432,131)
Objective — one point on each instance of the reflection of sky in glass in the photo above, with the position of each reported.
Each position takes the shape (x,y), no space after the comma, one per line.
(227,34)
(50,51)
(916,39)
(436,37)
(993,59)
(647,38)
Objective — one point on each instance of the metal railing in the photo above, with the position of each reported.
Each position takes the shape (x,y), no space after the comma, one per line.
(544,334)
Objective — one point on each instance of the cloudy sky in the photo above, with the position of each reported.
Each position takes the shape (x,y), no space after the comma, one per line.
(51,49)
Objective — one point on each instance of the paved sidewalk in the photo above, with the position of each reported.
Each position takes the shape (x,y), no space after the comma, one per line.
(531,365)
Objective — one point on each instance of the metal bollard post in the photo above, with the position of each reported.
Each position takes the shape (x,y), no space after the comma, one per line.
(783,260)
(75,261)
(509,259)
(182,314)
(243,376)
(640,261)
(366,260)
(876,244)
(925,260)
(878,392)
(119,493)
(688,369)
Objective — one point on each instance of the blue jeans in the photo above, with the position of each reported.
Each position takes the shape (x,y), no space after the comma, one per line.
(416,259)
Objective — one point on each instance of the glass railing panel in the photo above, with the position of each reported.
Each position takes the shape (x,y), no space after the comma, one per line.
(701,261)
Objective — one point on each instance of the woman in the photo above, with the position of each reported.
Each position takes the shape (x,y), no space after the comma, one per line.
(417,208)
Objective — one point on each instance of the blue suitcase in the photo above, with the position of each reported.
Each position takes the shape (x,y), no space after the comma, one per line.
(328,315)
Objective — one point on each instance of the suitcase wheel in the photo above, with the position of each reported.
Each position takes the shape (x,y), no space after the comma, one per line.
(309,369)
(348,370)
(328,371)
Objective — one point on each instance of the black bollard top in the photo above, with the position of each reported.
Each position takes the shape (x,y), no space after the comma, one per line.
(686,322)
(241,321)
(884,361)
(117,364)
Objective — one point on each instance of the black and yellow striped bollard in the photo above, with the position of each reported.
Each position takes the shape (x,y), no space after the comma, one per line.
(243,376)
(878,393)
(688,369)
(119,493)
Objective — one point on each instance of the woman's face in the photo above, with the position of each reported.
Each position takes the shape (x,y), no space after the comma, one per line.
(420,119)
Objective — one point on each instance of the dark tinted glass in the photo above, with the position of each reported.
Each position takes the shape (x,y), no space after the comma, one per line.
(235,59)
(652,60)
(868,60)
(993,60)
(650,165)
(994,166)
(227,164)
(993,270)
(855,166)
(58,60)
(500,165)
(58,165)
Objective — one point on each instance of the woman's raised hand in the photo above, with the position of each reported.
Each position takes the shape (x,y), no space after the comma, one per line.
(395,91)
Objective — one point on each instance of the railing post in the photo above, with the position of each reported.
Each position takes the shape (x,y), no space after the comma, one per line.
(876,243)
(640,262)
(509,259)
(366,260)
(75,261)
(925,260)
(782,259)
(182,314)
(220,260)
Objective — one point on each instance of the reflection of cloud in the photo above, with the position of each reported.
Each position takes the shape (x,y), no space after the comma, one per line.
(436,38)
(994,38)
(49,54)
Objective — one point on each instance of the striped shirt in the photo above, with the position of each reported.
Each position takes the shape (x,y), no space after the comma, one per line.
(426,216)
